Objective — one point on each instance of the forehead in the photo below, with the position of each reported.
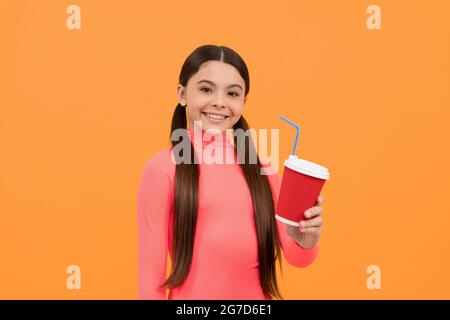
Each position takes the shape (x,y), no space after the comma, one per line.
(222,74)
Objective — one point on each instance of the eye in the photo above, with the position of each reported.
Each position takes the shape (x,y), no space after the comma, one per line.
(233,94)
(201,89)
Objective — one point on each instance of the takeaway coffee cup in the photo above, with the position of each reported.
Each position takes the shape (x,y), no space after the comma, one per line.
(301,185)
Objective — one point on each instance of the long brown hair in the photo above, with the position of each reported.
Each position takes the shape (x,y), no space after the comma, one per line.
(187,181)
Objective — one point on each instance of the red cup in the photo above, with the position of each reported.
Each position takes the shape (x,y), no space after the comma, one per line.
(301,185)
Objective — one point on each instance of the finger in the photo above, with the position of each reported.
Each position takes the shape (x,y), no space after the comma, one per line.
(319,201)
(311,230)
(312,212)
(314,222)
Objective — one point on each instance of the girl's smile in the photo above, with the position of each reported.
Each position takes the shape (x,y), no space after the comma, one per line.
(214,117)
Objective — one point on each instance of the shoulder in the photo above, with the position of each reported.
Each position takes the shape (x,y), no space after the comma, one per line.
(160,163)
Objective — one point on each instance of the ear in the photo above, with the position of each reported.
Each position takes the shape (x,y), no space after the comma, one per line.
(181,95)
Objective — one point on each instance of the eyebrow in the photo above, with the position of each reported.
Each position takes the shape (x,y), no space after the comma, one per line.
(213,84)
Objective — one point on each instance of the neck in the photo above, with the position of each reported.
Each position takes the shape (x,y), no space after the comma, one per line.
(204,137)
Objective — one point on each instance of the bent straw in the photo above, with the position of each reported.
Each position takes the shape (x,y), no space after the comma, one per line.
(296,135)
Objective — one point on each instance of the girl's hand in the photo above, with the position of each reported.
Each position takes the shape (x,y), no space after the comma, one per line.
(308,233)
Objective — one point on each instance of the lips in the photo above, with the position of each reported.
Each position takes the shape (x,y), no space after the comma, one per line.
(215,116)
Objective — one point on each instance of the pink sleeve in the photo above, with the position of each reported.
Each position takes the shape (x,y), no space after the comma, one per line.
(293,252)
(153,209)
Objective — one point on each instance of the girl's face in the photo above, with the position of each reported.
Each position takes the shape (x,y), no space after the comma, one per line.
(214,95)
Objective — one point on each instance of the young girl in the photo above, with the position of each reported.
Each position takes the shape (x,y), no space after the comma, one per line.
(217,221)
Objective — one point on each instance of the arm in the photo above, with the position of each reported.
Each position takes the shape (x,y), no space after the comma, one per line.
(153,209)
(293,252)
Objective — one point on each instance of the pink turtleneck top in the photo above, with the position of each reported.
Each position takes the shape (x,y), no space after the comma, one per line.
(225,254)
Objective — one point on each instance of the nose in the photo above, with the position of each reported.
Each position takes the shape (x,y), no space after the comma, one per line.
(218,102)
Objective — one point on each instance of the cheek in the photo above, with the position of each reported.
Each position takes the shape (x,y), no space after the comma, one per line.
(196,101)
(193,112)
(237,110)
(195,106)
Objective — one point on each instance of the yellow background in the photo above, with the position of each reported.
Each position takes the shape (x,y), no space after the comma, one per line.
(82,110)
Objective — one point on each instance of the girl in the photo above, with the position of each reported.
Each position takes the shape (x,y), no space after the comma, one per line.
(217,221)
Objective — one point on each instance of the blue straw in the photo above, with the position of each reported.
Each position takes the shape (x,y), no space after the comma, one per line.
(296,136)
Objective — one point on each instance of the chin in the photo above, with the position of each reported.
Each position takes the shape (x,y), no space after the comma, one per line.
(207,127)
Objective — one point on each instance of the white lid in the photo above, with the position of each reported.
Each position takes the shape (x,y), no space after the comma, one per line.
(307,167)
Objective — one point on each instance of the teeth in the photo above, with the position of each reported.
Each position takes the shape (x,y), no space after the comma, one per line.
(214,116)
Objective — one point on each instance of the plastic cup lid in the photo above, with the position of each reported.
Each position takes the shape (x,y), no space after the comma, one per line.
(307,167)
